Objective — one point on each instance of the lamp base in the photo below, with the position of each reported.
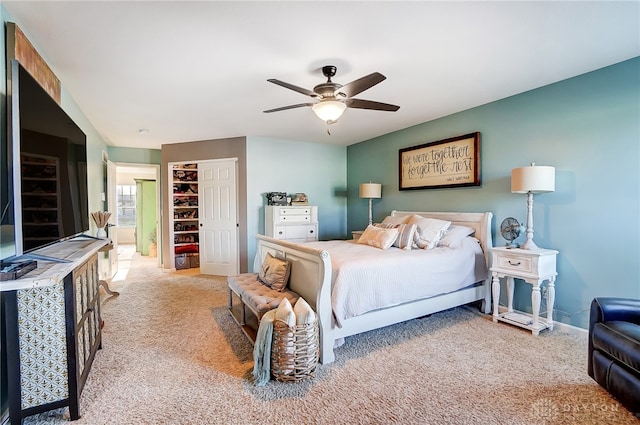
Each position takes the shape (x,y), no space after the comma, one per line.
(529,245)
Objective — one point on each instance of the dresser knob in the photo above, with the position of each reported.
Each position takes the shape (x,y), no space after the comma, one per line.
(514,264)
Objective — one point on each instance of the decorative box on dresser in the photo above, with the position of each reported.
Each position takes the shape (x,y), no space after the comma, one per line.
(534,267)
(295,223)
(53,329)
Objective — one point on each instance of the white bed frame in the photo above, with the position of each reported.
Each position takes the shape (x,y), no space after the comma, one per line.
(311,279)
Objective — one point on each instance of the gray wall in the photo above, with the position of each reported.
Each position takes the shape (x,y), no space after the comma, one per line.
(201,151)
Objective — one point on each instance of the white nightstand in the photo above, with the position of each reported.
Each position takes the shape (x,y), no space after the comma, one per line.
(355,234)
(534,267)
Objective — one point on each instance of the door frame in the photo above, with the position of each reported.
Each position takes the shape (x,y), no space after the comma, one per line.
(156,168)
(171,265)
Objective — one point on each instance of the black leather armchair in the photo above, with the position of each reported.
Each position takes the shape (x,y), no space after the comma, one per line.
(614,348)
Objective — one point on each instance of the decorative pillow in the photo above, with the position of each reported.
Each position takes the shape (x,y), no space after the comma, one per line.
(430,231)
(285,313)
(274,272)
(304,313)
(454,235)
(396,219)
(405,234)
(378,237)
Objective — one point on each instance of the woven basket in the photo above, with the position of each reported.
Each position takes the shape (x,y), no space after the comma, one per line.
(294,351)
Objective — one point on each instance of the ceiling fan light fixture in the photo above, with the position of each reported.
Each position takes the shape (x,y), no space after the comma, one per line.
(329,110)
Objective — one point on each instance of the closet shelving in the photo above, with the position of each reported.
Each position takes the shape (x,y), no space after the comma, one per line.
(185,224)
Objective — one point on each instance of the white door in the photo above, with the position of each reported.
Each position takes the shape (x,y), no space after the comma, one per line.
(113,209)
(217,212)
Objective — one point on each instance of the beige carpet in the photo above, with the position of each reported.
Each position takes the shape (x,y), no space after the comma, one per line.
(173,355)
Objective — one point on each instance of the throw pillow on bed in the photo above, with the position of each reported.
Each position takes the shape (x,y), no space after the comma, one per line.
(378,237)
(430,231)
(405,234)
(274,272)
(454,235)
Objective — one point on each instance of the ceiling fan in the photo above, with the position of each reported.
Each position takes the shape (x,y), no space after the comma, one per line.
(334,98)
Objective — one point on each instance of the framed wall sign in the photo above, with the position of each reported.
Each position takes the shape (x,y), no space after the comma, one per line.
(453,162)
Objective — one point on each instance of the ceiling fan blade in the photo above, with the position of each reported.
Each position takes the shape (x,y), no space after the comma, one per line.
(284,108)
(370,104)
(361,84)
(292,87)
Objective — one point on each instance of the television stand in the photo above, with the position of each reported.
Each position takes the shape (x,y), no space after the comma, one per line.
(45,258)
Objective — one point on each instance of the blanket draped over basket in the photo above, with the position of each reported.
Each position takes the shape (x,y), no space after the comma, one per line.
(262,349)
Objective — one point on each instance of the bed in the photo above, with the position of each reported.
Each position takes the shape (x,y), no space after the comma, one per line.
(320,271)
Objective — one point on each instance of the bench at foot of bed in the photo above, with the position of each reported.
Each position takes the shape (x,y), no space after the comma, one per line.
(257,298)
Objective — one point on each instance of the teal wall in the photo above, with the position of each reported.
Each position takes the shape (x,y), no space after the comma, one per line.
(588,127)
(134,155)
(319,170)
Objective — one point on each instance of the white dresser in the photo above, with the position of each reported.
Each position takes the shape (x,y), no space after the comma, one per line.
(293,223)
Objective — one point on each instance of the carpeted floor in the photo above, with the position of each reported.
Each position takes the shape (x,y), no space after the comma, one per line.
(173,355)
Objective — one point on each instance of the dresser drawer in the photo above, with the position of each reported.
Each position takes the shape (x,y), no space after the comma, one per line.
(514,262)
(295,219)
(298,233)
(294,211)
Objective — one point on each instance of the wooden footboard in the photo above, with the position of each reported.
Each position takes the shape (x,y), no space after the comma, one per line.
(311,279)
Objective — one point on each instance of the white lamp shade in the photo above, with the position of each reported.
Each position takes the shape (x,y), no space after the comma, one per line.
(329,110)
(534,179)
(370,190)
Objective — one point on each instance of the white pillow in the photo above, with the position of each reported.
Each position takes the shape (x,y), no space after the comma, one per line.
(378,237)
(454,235)
(430,231)
(304,313)
(285,313)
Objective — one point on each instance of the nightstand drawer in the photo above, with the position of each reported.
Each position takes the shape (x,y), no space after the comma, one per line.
(515,263)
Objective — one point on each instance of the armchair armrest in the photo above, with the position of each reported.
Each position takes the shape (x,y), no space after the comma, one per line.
(606,309)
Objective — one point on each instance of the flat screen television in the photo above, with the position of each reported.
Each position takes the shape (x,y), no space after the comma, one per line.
(48,162)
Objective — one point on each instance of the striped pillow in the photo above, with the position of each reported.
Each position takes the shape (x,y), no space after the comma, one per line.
(405,234)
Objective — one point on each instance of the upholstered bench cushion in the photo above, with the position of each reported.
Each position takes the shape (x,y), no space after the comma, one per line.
(620,340)
(256,295)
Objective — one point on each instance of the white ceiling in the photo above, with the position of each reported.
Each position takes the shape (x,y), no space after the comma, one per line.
(197,70)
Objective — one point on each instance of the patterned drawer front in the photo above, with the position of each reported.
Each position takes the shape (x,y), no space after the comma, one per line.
(43,345)
(515,263)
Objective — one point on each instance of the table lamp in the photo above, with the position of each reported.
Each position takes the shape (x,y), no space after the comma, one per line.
(532,179)
(370,191)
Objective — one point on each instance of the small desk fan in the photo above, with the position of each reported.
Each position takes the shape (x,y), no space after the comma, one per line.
(510,229)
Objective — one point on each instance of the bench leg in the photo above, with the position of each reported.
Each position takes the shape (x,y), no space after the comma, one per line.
(243,318)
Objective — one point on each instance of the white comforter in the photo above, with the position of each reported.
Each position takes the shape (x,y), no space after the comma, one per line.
(365,278)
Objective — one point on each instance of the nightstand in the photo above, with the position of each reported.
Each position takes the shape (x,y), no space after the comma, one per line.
(534,267)
(355,234)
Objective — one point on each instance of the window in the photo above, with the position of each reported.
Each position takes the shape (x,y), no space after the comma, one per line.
(126,201)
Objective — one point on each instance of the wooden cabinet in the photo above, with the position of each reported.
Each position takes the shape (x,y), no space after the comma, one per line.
(53,329)
(40,200)
(87,317)
(293,223)
(185,224)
